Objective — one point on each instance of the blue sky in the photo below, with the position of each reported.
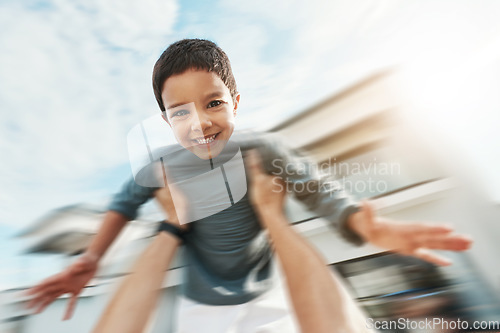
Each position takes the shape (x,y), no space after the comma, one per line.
(75,76)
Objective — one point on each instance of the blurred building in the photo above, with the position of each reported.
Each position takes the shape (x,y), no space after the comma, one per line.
(361,137)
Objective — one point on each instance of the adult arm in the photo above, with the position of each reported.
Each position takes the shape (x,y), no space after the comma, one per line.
(320,302)
(133,303)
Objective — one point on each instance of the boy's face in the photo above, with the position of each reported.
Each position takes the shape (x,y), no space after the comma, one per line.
(200,110)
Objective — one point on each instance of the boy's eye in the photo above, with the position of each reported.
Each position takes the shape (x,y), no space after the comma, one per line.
(213,104)
(180,113)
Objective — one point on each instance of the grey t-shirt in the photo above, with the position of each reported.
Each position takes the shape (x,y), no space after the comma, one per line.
(228,255)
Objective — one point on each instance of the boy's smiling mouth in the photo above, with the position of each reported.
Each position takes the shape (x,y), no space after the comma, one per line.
(207,139)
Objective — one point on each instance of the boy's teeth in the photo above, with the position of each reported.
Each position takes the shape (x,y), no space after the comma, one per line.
(206,140)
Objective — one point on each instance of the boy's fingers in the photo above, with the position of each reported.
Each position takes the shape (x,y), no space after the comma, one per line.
(32,303)
(450,242)
(35,300)
(45,302)
(40,290)
(429,231)
(71,307)
(42,294)
(428,256)
(43,285)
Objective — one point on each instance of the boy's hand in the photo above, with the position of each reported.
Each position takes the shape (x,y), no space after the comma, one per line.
(71,280)
(414,239)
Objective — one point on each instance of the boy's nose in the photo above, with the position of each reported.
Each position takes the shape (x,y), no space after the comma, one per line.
(201,122)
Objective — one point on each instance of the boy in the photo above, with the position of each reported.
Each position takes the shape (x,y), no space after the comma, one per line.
(228,254)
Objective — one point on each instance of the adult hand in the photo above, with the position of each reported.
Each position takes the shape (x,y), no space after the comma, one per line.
(72,280)
(414,239)
(267,192)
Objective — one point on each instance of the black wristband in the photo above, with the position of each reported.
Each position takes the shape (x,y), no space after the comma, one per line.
(171,229)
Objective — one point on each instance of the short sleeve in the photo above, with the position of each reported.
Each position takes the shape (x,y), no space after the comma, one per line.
(319,193)
(129,199)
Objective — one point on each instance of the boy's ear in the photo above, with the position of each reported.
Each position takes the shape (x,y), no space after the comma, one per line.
(236,103)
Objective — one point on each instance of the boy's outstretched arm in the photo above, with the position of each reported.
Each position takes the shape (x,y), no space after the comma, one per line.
(75,277)
(356,223)
(320,301)
(414,239)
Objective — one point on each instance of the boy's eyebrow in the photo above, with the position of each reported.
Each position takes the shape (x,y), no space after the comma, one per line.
(176,105)
(211,95)
(214,94)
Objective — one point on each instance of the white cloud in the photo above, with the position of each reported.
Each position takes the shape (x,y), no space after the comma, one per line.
(77,79)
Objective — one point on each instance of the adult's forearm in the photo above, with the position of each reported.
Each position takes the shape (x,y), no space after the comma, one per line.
(134,301)
(111,226)
(320,301)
